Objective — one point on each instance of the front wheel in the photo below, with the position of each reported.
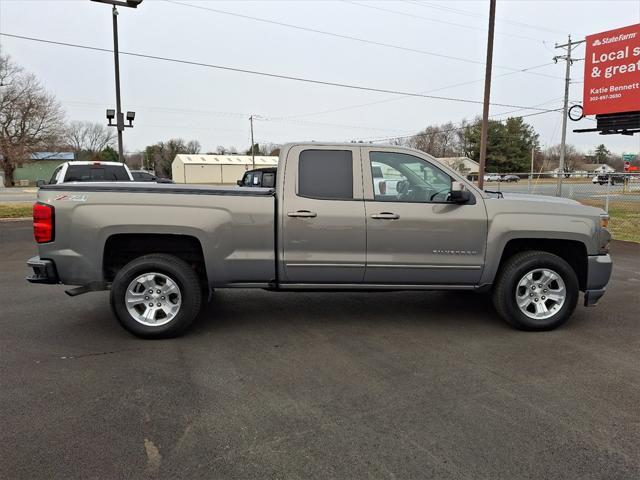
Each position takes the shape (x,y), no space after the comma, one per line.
(536,290)
(156,296)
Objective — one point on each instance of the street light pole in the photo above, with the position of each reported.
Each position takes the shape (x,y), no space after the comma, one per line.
(119,116)
(116,59)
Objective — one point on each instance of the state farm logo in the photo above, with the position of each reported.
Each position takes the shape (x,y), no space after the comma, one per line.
(616,38)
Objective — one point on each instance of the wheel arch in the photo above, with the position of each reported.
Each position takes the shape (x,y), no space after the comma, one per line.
(574,252)
(121,248)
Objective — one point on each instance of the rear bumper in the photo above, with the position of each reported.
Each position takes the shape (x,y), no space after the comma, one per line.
(598,274)
(44,271)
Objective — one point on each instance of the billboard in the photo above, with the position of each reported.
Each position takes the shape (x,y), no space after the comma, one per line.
(612,71)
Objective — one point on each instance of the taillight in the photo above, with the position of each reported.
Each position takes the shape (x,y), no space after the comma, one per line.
(383,188)
(43,226)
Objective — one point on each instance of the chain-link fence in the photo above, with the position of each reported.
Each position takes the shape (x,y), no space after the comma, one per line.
(616,193)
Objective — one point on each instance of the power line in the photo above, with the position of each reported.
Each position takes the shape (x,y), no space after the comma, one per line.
(360,105)
(460,126)
(421,17)
(479,15)
(342,36)
(237,115)
(268,74)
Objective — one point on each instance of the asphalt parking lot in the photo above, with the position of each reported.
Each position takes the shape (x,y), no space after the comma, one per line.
(315,385)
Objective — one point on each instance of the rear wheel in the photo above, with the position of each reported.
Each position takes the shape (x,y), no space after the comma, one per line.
(156,296)
(536,290)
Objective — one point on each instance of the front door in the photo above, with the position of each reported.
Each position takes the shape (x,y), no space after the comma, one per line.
(414,234)
(323,217)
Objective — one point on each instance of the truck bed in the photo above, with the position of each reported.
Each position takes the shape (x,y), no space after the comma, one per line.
(234,228)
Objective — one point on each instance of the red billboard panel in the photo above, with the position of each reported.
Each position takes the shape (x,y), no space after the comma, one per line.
(612,71)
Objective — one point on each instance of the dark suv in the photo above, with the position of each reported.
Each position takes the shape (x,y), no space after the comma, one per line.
(260,177)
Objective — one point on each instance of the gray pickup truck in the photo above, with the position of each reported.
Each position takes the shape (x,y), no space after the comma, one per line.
(327,225)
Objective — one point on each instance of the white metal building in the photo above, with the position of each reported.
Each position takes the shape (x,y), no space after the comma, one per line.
(215,169)
(463,165)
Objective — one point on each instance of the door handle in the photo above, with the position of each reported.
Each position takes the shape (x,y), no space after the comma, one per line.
(385,216)
(303,214)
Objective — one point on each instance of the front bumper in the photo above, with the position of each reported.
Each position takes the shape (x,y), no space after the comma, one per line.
(598,274)
(44,271)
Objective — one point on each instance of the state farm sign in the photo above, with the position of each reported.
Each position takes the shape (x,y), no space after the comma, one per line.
(612,71)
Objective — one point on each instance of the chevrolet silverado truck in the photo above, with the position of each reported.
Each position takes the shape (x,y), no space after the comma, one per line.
(161,249)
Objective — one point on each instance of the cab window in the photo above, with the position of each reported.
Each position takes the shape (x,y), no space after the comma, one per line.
(326,174)
(246,180)
(400,177)
(54,176)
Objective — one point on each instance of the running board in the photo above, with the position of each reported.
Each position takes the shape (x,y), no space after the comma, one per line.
(91,287)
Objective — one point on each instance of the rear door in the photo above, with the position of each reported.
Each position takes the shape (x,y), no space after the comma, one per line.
(323,218)
(414,234)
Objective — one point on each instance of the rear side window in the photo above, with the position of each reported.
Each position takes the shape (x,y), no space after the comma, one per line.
(142,176)
(326,174)
(54,176)
(269,179)
(96,173)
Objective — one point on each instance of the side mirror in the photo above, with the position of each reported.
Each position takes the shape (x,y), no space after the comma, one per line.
(239,182)
(40,183)
(459,194)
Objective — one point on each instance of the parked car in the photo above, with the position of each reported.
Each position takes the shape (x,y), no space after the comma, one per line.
(259,177)
(385,184)
(603,178)
(89,172)
(492,177)
(510,178)
(161,248)
(144,176)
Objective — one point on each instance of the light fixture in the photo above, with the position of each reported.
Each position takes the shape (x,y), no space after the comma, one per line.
(111,114)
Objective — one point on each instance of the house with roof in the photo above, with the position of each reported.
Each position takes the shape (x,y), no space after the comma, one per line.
(597,168)
(463,165)
(40,166)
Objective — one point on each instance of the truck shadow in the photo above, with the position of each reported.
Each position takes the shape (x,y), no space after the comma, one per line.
(238,309)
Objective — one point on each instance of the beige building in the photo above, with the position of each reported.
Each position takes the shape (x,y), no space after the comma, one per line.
(462,165)
(215,169)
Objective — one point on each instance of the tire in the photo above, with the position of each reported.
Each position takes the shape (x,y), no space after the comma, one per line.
(519,281)
(168,308)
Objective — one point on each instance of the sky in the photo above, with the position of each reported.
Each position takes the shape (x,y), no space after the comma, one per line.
(408,46)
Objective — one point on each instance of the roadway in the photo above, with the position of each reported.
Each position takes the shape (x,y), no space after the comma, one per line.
(316,385)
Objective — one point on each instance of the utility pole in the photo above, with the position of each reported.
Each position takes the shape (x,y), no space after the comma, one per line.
(565,109)
(533,154)
(487,94)
(253,152)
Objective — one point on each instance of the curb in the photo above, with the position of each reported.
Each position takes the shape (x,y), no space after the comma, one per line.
(19,219)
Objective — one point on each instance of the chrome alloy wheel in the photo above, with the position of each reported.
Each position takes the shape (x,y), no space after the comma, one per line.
(153,299)
(540,293)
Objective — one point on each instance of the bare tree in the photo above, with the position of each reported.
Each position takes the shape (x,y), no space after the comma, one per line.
(438,140)
(551,158)
(88,139)
(30,118)
(193,147)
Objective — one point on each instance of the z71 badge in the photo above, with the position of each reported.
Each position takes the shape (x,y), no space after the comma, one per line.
(71,198)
